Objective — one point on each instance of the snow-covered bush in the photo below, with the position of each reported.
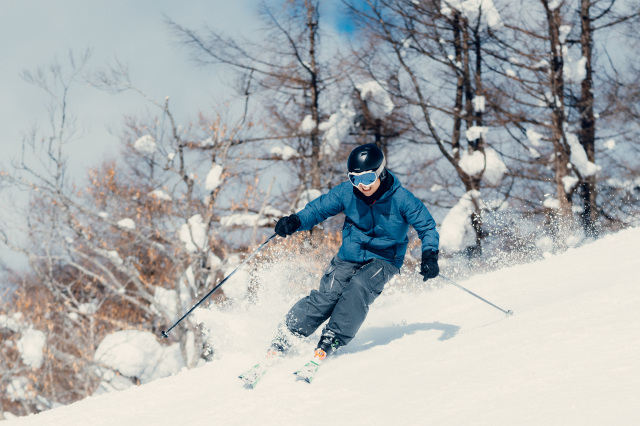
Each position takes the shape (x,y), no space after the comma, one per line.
(135,355)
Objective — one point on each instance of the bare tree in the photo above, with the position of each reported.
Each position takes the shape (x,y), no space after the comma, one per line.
(289,74)
(131,246)
(553,100)
(595,17)
(434,58)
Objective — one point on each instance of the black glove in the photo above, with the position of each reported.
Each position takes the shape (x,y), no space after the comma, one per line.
(429,267)
(288,225)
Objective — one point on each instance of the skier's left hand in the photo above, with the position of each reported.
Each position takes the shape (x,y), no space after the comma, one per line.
(429,267)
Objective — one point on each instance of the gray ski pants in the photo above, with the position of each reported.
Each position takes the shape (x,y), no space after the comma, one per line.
(345,293)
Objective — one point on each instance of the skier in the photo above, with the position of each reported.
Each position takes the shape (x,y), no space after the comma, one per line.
(378,212)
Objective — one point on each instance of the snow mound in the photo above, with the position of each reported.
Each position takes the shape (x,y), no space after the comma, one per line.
(137,354)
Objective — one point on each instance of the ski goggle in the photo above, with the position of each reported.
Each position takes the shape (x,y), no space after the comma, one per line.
(365,178)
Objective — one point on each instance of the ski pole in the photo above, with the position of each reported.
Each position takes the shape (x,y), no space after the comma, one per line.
(165,334)
(509,312)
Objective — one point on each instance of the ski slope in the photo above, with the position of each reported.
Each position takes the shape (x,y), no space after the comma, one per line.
(570,355)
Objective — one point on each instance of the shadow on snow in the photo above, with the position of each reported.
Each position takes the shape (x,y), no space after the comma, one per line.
(368,338)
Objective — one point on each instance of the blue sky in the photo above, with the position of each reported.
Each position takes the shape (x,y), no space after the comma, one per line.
(36,33)
(134,32)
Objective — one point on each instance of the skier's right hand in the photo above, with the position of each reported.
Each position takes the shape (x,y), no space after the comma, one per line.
(288,225)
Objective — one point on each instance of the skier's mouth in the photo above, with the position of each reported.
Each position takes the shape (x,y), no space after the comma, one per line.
(366,190)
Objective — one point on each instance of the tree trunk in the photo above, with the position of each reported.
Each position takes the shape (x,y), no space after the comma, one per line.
(587,132)
(316,164)
(563,218)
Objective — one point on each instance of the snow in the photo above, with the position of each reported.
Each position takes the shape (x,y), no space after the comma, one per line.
(406,45)
(193,234)
(214,261)
(285,152)
(145,145)
(610,144)
(307,196)
(569,183)
(534,137)
(475,132)
(213,179)
(244,219)
(579,157)
(574,70)
(456,232)
(272,211)
(564,31)
(472,164)
(11,322)
(542,64)
(127,223)
(545,244)
(554,4)
(478,103)
(435,355)
(160,195)
(551,203)
(337,128)
(534,153)
(137,354)
(236,287)
(308,124)
(115,257)
(30,346)
(19,389)
(167,301)
(495,169)
(377,98)
(210,141)
(88,308)
(473,10)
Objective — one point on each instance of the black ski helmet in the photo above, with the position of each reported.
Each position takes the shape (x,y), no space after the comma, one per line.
(365,158)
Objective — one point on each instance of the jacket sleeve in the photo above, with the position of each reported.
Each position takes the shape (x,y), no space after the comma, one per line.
(418,216)
(323,207)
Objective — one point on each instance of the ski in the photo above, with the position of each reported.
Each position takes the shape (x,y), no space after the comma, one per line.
(308,372)
(252,376)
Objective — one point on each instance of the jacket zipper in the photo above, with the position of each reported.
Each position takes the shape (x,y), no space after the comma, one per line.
(373,229)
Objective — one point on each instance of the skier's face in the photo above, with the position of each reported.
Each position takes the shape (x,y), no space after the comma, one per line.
(369,190)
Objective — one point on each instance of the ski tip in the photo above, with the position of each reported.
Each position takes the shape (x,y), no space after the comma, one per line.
(301,377)
(247,383)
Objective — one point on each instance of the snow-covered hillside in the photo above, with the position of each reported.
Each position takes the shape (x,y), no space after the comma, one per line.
(570,355)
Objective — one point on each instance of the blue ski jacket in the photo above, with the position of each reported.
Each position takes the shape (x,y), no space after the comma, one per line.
(375,231)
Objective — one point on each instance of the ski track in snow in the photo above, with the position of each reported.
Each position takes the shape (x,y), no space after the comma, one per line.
(570,355)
